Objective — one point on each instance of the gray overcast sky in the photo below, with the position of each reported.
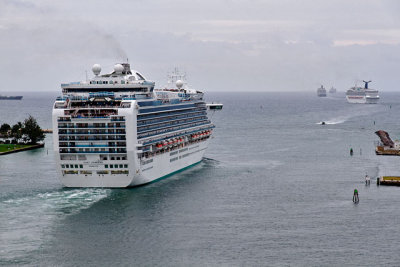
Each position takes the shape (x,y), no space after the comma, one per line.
(259,45)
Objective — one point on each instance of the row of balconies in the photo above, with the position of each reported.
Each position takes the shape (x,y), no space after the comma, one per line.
(176,128)
(68,119)
(92,151)
(90,127)
(169,124)
(95,138)
(64,144)
(91,132)
(170,118)
(178,134)
(145,117)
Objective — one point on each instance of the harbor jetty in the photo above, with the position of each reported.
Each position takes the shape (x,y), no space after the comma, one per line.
(388,180)
(387,146)
(12,148)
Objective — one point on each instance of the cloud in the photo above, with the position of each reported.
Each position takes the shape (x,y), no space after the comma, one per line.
(224,45)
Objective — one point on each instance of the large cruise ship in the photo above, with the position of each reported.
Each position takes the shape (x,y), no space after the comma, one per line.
(116,130)
(361,95)
(321,92)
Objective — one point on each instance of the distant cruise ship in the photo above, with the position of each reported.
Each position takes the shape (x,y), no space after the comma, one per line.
(332,90)
(361,95)
(321,92)
(116,130)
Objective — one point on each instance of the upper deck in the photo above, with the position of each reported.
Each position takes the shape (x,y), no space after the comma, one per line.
(118,88)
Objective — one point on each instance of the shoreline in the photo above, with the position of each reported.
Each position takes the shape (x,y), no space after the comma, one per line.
(22,149)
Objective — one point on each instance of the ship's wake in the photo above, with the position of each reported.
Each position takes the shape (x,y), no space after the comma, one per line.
(29,218)
(356,111)
(333,121)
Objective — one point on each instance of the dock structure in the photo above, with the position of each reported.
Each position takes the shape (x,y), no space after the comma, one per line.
(388,180)
(386,151)
(387,146)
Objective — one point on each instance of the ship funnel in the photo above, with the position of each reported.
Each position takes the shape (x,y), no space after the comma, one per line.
(366,84)
(126,68)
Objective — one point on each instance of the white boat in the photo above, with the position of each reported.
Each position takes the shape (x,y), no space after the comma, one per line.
(116,130)
(321,92)
(332,90)
(361,95)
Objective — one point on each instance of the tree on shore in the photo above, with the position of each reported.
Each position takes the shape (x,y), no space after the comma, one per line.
(32,130)
(4,128)
(16,131)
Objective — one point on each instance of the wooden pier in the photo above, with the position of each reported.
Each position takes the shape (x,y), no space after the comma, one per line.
(388,180)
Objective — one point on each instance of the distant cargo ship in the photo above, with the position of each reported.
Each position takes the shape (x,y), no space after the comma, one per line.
(3,97)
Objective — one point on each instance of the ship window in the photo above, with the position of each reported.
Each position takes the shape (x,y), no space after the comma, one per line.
(112,158)
(81,166)
(120,165)
(115,165)
(125,165)
(122,82)
(62,166)
(111,82)
(67,166)
(106,166)
(105,82)
(76,166)
(118,158)
(98,82)
(111,166)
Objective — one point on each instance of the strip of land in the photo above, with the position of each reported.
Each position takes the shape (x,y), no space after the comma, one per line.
(13,148)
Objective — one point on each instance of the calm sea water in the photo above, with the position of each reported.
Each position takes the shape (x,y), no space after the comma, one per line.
(274,189)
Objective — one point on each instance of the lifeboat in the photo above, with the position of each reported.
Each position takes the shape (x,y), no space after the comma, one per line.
(170,142)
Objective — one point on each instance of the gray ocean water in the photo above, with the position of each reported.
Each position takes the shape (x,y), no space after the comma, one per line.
(275,189)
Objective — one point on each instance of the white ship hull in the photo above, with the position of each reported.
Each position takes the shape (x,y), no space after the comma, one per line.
(160,167)
(362,99)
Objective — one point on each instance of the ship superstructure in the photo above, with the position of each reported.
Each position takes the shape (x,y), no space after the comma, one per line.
(115,130)
(359,95)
